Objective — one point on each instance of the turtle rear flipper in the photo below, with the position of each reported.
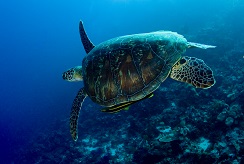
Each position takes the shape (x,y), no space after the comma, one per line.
(77,104)
(87,44)
(193,71)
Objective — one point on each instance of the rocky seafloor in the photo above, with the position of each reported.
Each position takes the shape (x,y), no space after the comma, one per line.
(179,124)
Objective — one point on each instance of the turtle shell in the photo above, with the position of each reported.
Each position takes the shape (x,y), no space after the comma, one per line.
(128,68)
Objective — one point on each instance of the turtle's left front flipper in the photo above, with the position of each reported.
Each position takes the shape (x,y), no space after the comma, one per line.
(193,71)
(77,104)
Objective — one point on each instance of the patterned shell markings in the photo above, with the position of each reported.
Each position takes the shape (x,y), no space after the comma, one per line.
(130,67)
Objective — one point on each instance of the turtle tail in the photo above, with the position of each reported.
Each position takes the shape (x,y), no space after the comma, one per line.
(198,45)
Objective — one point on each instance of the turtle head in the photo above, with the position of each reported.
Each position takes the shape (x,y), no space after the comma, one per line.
(73,74)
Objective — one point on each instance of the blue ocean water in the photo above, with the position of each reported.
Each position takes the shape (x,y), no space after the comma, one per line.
(39,40)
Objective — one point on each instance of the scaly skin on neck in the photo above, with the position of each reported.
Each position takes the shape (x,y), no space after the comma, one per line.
(78,73)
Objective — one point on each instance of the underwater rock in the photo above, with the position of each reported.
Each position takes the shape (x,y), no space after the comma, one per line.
(204,144)
(235,111)
(184,130)
(229,121)
(166,134)
(222,116)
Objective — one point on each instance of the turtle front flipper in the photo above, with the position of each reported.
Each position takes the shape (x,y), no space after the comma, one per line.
(77,104)
(87,44)
(193,71)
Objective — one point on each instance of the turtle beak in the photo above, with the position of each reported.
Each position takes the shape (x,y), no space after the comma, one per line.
(64,76)
(68,75)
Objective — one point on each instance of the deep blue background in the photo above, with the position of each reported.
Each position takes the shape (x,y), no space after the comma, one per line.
(39,40)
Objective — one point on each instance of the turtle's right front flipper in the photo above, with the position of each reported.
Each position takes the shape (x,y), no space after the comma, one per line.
(87,44)
(77,104)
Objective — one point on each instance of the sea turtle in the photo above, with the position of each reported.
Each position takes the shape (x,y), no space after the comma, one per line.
(124,70)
